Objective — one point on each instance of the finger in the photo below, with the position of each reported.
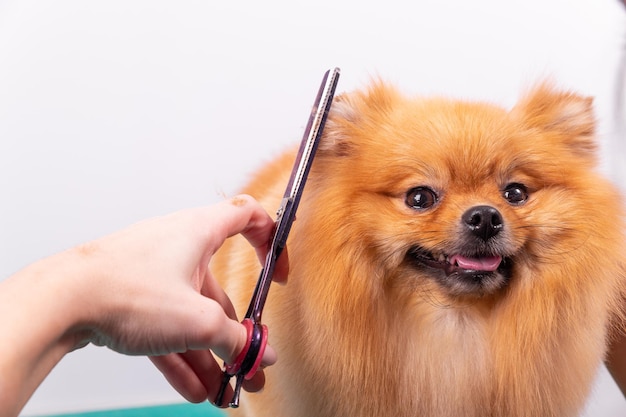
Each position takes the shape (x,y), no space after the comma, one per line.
(256,383)
(281,270)
(181,377)
(196,375)
(204,365)
(238,215)
(259,231)
(244,215)
(269,357)
(215,330)
(212,289)
(204,325)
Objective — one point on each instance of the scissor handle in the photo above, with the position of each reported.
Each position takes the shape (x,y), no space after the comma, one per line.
(247,363)
(249,359)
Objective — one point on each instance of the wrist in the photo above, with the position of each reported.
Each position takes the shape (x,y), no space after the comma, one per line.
(40,314)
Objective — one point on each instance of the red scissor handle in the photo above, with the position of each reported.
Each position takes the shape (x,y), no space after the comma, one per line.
(247,363)
(249,359)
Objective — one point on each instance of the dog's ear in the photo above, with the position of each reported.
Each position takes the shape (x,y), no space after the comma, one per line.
(560,116)
(352,115)
(343,114)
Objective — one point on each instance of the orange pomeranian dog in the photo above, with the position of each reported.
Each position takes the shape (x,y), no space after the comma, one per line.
(448,259)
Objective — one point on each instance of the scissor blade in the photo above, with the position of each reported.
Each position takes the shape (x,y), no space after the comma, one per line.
(293,192)
(312,135)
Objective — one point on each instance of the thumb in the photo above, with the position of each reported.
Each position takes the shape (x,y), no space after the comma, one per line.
(216,331)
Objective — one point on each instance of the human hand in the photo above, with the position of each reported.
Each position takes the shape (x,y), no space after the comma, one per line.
(161,300)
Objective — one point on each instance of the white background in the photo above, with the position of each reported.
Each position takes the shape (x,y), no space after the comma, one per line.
(112,111)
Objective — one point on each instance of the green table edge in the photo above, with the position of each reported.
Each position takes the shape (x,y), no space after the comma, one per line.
(172,410)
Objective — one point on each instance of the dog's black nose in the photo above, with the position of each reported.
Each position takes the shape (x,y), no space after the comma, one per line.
(483,221)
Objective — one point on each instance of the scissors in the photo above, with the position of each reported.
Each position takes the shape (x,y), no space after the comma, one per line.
(249,359)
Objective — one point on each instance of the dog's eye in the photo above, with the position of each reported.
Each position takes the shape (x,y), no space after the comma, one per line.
(515,193)
(420,198)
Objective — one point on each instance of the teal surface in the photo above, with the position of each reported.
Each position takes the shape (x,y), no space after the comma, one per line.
(175,410)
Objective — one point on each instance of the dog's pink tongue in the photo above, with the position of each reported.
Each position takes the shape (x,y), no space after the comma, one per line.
(486,263)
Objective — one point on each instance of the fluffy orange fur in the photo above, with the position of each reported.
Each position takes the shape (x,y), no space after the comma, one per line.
(362,331)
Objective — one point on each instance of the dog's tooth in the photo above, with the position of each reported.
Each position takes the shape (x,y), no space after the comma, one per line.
(441,258)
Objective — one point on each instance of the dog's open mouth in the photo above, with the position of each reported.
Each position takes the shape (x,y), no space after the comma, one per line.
(458,263)
(466,274)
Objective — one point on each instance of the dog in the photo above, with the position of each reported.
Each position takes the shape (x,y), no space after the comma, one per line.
(449,258)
